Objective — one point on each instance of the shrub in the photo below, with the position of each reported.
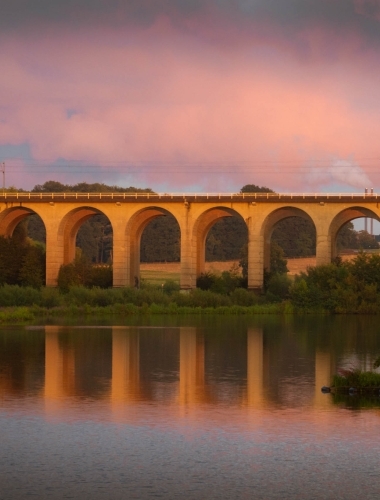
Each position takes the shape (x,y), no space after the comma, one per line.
(206,280)
(14,295)
(356,378)
(171,286)
(50,297)
(243,297)
(100,276)
(278,287)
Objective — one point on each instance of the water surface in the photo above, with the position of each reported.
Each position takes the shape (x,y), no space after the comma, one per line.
(187,408)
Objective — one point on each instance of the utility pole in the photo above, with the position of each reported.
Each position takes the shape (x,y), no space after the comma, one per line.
(3,171)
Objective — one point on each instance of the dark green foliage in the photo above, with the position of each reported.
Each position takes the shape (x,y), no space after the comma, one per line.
(277,288)
(32,271)
(252,188)
(160,241)
(356,378)
(35,228)
(206,280)
(224,284)
(296,236)
(365,241)
(100,276)
(82,273)
(341,287)
(21,263)
(15,295)
(50,297)
(94,238)
(226,238)
(347,237)
(171,286)
(84,187)
(68,277)
(278,263)
(366,268)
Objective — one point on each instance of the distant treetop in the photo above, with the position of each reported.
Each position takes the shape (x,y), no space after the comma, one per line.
(252,188)
(84,187)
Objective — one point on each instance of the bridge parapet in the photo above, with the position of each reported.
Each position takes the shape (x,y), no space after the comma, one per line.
(7,197)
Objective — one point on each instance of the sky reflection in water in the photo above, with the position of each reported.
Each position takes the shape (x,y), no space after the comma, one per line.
(186,412)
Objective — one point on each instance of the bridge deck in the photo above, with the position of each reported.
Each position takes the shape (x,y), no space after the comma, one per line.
(8,197)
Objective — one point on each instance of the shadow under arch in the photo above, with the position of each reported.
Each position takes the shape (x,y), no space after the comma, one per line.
(134,230)
(68,229)
(347,215)
(202,226)
(269,226)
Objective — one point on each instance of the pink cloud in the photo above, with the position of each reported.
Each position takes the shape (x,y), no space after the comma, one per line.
(197,113)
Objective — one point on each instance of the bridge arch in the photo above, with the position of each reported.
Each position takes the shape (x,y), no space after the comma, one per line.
(272,220)
(201,227)
(68,229)
(344,216)
(11,217)
(133,233)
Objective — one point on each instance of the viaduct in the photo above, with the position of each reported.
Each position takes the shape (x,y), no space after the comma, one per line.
(129,213)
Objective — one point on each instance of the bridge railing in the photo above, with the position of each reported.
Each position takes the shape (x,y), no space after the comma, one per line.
(186,197)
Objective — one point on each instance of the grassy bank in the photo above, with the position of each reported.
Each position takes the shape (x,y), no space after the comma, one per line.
(21,304)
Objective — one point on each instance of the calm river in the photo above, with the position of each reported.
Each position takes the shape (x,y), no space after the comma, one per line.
(212,408)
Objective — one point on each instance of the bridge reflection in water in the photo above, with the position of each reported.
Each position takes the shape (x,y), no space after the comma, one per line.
(125,384)
(119,375)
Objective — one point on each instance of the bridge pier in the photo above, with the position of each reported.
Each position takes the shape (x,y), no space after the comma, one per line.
(255,261)
(121,270)
(323,249)
(54,255)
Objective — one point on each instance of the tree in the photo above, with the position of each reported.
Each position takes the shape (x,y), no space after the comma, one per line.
(21,262)
(278,263)
(32,271)
(252,188)
(366,241)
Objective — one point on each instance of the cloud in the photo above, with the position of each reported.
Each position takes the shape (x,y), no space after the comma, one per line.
(151,102)
(287,15)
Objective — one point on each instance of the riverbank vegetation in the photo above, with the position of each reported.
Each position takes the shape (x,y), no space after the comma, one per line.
(340,287)
(25,303)
(349,287)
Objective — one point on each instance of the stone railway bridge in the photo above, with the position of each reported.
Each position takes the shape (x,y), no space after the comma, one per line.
(129,214)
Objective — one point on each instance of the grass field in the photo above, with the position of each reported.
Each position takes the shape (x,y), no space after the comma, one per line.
(159,272)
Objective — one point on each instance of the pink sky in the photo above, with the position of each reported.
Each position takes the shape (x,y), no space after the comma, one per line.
(185,97)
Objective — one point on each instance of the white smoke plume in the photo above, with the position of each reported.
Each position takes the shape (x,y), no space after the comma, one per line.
(339,172)
(347,172)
